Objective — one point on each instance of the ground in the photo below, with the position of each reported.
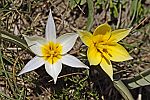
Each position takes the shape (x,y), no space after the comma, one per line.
(29,17)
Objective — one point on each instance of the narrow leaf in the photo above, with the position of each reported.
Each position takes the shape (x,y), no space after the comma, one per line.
(82,2)
(14,39)
(141,79)
(123,90)
(90,14)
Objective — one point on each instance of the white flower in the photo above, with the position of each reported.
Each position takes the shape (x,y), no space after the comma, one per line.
(51,51)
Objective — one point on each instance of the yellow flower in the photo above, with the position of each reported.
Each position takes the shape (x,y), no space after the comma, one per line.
(103,47)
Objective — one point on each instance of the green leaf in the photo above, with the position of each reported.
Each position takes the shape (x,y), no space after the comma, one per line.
(82,2)
(14,39)
(73,3)
(111,4)
(90,14)
(115,12)
(141,79)
(123,90)
(133,11)
(139,8)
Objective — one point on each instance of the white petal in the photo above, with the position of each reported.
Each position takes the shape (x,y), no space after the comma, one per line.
(67,41)
(50,28)
(73,61)
(34,63)
(54,69)
(35,43)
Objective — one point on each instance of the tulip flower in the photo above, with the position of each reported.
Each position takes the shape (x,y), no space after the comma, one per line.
(51,51)
(103,47)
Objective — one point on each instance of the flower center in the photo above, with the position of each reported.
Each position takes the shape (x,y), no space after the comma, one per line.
(102,48)
(51,52)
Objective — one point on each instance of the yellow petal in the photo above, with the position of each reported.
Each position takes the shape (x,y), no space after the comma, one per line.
(94,56)
(106,37)
(102,29)
(118,53)
(119,34)
(107,67)
(97,38)
(101,38)
(85,37)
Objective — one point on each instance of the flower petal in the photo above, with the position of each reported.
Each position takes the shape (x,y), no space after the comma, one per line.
(94,56)
(54,69)
(118,53)
(34,63)
(50,28)
(107,67)
(67,41)
(35,43)
(101,38)
(119,34)
(102,29)
(73,61)
(85,37)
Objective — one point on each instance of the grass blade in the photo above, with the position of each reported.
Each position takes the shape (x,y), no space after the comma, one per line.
(90,15)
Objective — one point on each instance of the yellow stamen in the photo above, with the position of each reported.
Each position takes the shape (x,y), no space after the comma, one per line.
(101,47)
(51,52)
